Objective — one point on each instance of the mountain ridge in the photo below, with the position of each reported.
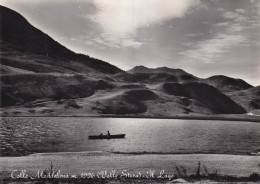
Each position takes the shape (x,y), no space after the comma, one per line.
(16,30)
(40,77)
(143,69)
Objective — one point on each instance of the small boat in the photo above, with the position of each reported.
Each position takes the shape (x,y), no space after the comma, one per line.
(116,136)
(256,154)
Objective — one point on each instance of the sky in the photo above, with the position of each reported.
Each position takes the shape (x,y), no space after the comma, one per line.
(202,37)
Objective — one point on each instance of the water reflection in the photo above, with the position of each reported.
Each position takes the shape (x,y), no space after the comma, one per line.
(21,136)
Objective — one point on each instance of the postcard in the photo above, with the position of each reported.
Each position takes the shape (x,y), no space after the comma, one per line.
(129,91)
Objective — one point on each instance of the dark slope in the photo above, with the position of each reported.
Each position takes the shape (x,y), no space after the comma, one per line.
(37,70)
(24,88)
(207,95)
(161,74)
(249,98)
(171,71)
(225,83)
(19,35)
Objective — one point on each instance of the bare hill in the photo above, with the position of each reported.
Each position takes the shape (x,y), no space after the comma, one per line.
(225,83)
(39,76)
(19,36)
(207,95)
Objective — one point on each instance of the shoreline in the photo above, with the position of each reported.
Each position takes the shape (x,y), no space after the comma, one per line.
(130,153)
(254,119)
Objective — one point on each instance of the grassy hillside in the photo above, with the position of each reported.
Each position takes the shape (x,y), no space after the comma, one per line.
(23,88)
(207,95)
(225,83)
(19,35)
(39,76)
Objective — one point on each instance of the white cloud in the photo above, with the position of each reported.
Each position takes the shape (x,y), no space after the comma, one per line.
(209,50)
(222,24)
(229,34)
(120,19)
(256,3)
(235,16)
(105,40)
(240,10)
(195,35)
(235,28)
(258,6)
(230,26)
(131,43)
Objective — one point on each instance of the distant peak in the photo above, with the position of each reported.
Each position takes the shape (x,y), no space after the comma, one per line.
(219,76)
(140,67)
(164,69)
(228,83)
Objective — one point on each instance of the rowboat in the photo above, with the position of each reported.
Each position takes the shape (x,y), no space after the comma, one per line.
(257,153)
(116,136)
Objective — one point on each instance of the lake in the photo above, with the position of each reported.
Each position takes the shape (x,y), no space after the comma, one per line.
(26,135)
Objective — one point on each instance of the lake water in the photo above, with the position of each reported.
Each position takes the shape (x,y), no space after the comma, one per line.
(22,136)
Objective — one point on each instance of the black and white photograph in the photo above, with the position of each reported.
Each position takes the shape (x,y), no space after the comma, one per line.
(129,91)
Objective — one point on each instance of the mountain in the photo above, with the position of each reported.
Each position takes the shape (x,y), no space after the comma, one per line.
(160,74)
(248,98)
(165,70)
(40,77)
(225,83)
(143,69)
(36,67)
(206,94)
(19,37)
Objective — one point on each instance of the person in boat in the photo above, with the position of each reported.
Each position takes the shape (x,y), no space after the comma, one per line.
(108,133)
(100,134)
